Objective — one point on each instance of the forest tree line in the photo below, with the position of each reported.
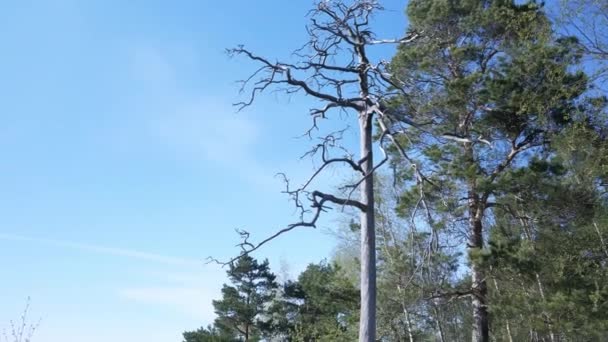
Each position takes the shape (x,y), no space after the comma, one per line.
(490,214)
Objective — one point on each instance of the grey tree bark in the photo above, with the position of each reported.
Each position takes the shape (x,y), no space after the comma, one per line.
(338,32)
(478,203)
(481,320)
(367,323)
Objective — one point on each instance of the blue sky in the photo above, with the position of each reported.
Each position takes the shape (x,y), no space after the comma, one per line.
(123,164)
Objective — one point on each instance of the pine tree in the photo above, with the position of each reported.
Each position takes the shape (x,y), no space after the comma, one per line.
(209,334)
(322,305)
(494,85)
(549,254)
(242,309)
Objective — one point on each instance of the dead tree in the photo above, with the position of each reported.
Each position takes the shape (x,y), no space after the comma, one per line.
(334,68)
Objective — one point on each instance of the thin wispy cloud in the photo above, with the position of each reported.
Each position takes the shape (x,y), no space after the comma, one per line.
(204,127)
(193,301)
(199,127)
(105,250)
(190,293)
(208,129)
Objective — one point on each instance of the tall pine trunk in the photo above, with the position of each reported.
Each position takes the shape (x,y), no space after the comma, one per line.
(367,324)
(479,285)
(481,331)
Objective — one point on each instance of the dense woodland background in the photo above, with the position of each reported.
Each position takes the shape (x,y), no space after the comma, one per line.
(491,210)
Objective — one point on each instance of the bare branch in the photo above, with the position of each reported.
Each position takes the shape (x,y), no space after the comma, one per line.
(516,149)
(318,203)
(450,136)
(450,295)
(405,40)
(342,201)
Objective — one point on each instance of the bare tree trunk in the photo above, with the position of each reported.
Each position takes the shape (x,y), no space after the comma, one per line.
(406,313)
(438,323)
(481,331)
(400,290)
(507,324)
(539,283)
(542,296)
(531,332)
(480,290)
(408,323)
(599,234)
(509,335)
(367,325)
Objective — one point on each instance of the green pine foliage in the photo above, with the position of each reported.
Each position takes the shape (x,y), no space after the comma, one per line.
(502,94)
(322,305)
(243,309)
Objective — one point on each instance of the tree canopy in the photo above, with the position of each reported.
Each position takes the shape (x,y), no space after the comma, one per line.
(491,218)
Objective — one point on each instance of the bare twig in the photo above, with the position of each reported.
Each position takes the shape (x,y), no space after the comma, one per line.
(22,331)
